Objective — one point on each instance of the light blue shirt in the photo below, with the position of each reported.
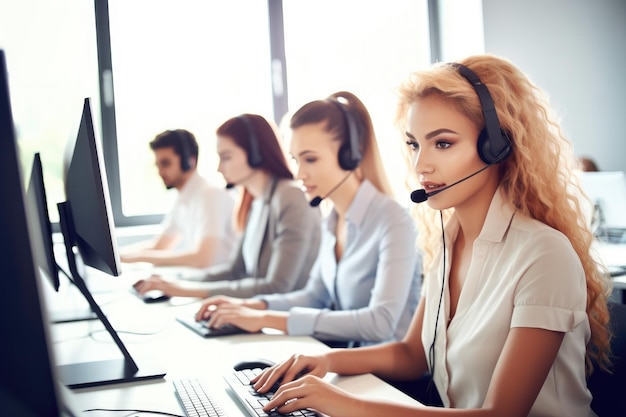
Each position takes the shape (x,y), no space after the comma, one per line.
(370,295)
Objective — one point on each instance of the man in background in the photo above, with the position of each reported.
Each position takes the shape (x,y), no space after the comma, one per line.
(198,232)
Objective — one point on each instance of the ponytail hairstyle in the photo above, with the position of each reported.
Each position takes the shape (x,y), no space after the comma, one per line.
(371,166)
(538,177)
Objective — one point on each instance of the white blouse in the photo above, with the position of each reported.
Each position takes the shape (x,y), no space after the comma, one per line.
(522,274)
(251,236)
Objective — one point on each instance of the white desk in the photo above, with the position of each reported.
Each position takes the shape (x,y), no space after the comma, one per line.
(182,353)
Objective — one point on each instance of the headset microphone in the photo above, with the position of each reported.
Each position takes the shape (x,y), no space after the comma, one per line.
(419,196)
(317,200)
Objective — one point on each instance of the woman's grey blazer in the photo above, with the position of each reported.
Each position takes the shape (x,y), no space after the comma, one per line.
(287,248)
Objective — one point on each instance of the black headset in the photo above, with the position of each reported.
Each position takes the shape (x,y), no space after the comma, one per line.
(494,145)
(349,152)
(185,139)
(255,159)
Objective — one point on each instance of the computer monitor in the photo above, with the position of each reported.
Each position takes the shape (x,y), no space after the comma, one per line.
(87,225)
(28,383)
(38,217)
(87,194)
(37,209)
(607,191)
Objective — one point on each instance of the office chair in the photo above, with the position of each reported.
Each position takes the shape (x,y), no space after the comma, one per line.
(608,389)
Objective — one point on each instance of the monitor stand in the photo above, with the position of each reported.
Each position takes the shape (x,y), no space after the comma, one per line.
(90,374)
(71,315)
(113,371)
(71,306)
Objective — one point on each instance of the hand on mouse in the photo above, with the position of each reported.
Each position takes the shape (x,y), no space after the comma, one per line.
(156,282)
(291,369)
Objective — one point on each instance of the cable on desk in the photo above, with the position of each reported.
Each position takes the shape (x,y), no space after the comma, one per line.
(92,333)
(163,413)
(71,339)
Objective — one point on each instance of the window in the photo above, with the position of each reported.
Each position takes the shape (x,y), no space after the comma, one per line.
(193,64)
(51,57)
(188,64)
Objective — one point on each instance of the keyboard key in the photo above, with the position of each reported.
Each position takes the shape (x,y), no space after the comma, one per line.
(195,399)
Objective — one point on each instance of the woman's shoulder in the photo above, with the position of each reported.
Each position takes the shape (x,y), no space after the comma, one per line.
(537,236)
(522,223)
(288,192)
(386,209)
(287,187)
(388,203)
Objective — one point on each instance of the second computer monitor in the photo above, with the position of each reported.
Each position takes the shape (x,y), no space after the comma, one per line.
(37,210)
(87,224)
(87,192)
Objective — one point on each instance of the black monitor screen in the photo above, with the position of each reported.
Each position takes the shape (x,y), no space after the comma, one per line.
(27,379)
(87,192)
(37,206)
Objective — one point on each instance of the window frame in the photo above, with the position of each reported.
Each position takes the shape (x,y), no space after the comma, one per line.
(279,87)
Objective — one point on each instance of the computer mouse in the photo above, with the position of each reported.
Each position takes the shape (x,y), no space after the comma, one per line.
(149,297)
(154,296)
(252,364)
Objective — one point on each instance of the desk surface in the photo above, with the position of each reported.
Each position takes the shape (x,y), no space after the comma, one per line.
(151,331)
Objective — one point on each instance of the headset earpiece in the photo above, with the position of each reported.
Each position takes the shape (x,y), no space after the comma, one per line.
(485,151)
(185,152)
(255,159)
(494,145)
(349,155)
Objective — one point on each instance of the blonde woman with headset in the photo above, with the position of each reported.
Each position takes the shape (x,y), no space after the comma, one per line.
(513,303)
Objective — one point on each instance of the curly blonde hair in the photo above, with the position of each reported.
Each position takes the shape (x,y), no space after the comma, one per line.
(538,177)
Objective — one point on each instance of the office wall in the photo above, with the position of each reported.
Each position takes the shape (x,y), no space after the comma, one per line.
(575,50)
